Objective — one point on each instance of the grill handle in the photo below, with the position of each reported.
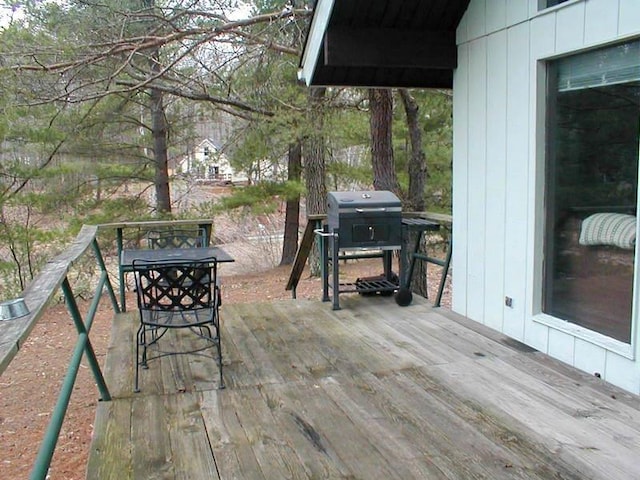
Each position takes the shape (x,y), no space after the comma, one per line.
(367,210)
(320,232)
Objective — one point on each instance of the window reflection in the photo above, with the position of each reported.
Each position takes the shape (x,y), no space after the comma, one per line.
(591,190)
(551,3)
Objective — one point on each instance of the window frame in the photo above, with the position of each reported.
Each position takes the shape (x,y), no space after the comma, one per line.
(545,109)
(543,5)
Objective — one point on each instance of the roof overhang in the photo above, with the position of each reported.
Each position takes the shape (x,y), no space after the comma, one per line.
(382,43)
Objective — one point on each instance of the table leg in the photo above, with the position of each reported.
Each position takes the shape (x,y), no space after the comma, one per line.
(119,243)
(336,270)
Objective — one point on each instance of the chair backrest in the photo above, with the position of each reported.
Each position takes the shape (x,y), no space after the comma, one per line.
(193,238)
(175,285)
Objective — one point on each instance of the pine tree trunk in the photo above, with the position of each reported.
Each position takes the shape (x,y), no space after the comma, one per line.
(380,121)
(315,169)
(292,213)
(417,170)
(159,132)
(417,167)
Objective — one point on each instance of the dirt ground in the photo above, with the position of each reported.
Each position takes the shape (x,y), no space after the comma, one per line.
(30,386)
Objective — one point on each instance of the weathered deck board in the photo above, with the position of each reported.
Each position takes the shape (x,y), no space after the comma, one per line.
(372,391)
(229,443)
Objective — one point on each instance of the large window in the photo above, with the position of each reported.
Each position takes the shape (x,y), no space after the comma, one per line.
(593,129)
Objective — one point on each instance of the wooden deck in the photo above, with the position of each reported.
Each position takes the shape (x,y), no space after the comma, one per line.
(372,391)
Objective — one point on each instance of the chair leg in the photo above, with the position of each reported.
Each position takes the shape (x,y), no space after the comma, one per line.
(142,340)
(141,360)
(219,349)
(206,328)
(146,338)
(139,336)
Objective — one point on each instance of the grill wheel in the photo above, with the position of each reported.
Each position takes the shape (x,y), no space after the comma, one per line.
(404,297)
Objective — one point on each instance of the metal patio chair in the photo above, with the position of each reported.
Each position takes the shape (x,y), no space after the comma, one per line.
(177,238)
(173,295)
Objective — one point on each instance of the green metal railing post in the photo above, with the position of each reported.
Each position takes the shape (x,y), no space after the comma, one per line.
(207,233)
(445,271)
(105,276)
(83,330)
(83,345)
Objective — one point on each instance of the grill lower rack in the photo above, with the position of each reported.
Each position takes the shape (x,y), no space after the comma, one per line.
(372,285)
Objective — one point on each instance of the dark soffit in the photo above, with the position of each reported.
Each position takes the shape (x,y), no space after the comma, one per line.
(386,43)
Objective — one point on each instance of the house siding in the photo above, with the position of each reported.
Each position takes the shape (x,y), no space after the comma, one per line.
(496,178)
(498,168)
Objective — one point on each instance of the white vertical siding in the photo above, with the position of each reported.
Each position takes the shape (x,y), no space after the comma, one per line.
(477,128)
(460,179)
(534,7)
(562,346)
(542,31)
(517,184)
(496,14)
(629,17)
(589,357)
(496,180)
(517,11)
(462,37)
(476,23)
(600,21)
(622,372)
(498,172)
(570,27)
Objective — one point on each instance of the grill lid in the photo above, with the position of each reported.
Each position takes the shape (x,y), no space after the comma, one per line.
(375,199)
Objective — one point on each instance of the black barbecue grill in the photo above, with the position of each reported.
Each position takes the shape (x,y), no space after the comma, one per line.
(360,221)
(364,220)
(369,224)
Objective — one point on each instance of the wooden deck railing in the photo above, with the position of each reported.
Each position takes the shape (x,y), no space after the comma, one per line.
(41,292)
(313,222)
(37,296)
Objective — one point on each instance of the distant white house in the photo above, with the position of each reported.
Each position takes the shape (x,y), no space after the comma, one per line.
(207,162)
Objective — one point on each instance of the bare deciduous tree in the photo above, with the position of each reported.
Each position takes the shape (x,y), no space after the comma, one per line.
(186,51)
